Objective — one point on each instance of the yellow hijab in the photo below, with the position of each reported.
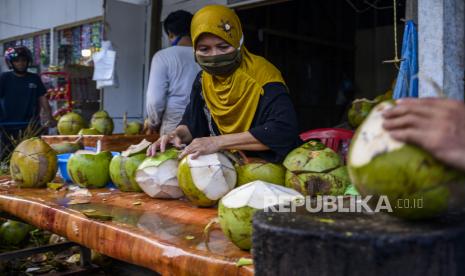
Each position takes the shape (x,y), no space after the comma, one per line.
(232,100)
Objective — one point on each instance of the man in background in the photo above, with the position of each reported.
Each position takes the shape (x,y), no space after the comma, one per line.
(172,74)
(22,98)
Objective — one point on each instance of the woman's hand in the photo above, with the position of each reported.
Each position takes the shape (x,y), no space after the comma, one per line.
(202,146)
(212,144)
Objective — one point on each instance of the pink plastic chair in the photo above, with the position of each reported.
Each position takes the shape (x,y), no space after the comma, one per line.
(332,137)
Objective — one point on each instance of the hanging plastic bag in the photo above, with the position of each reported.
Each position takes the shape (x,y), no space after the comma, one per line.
(104,65)
(407,78)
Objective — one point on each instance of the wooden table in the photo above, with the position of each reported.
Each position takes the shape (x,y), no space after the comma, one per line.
(163,235)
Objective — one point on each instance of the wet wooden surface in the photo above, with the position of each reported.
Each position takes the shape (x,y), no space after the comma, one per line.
(163,235)
(114,142)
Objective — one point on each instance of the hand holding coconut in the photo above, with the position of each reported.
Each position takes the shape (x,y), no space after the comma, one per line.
(175,138)
(436,125)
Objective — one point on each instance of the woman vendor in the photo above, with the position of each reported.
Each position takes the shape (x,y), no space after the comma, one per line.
(239,101)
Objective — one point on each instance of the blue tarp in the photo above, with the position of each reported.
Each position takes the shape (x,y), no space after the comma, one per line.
(407,78)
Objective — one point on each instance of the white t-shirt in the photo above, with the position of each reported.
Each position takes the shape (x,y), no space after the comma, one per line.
(172,73)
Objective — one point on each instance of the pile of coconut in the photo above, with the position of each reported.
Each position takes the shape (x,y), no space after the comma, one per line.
(239,186)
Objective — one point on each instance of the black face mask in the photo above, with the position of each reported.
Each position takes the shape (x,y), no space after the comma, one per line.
(220,65)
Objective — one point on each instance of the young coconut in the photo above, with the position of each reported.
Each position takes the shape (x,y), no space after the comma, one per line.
(131,128)
(89,169)
(379,165)
(157,175)
(89,131)
(102,122)
(359,110)
(206,179)
(33,163)
(68,147)
(236,209)
(251,169)
(70,124)
(314,169)
(123,170)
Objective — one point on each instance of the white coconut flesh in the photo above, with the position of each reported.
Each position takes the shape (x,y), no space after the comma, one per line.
(135,149)
(213,174)
(160,181)
(259,195)
(373,139)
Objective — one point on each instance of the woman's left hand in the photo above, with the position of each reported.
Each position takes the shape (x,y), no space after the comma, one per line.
(202,146)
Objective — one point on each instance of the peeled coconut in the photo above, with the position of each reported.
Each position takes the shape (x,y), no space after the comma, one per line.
(157,175)
(206,179)
(102,122)
(236,209)
(379,165)
(89,169)
(359,110)
(89,131)
(70,124)
(122,172)
(314,169)
(258,169)
(123,168)
(33,163)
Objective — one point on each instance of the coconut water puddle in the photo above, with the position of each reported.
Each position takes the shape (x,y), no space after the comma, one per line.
(166,230)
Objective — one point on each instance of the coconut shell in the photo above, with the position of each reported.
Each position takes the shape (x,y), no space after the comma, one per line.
(102,122)
(260,170)
(90,170)
(194,195)
(311,157)
(70,124)
(122,172)
(33,163)
(206,179)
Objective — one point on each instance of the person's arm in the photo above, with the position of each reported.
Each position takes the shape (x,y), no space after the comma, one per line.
(436,125)
(46,111)
(276,131)
(157,91)
(236,141)
(44,106)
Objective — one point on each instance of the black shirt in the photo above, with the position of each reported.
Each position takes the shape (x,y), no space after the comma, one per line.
(19,97)
(274,124)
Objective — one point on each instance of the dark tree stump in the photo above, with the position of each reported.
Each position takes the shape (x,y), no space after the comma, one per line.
(357,244)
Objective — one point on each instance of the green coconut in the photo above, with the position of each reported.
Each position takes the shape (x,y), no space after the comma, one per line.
(68,147)
(70,124)
(206,179)
(379,165)
(314,169)
(334,182)
(133,128)
(236,209)
(258,169)
(359,110)
(33,163)
(157,175)
(123,170)
(14,232)
(384,97)
(102,122)
(89,169)
(89,131)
